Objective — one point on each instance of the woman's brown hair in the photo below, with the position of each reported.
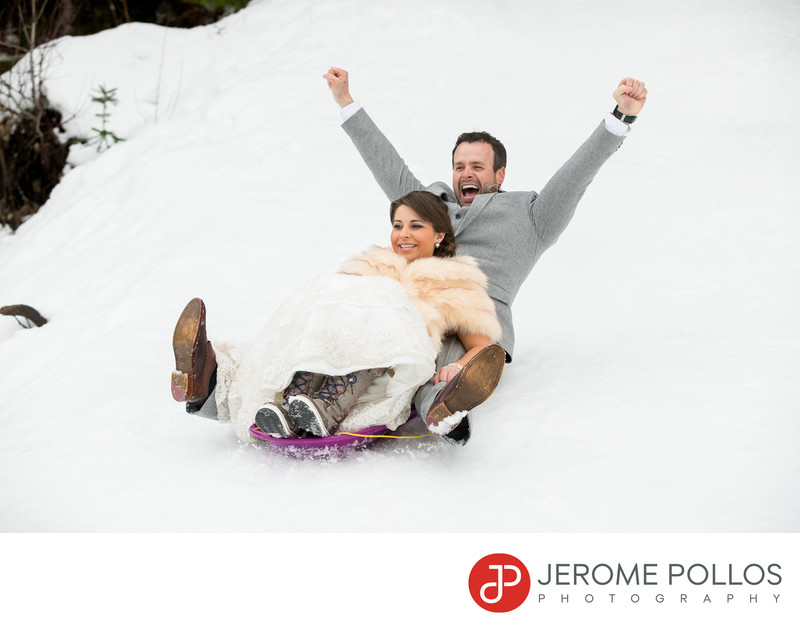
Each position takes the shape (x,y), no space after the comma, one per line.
(433,210)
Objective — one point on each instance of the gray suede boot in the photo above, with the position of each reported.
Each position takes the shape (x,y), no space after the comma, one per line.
(322,412)
(274,419)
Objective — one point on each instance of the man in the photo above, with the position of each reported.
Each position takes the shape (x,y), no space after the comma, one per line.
(506,232)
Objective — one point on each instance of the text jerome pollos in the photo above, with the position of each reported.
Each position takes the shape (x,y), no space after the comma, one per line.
(694,582)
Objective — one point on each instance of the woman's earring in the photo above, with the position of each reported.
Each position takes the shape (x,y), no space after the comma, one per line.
(438,243)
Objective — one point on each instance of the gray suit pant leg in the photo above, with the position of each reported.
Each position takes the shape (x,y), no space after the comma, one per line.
(452,350)
(207,410)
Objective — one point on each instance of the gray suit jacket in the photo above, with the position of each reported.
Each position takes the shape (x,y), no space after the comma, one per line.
(505,232)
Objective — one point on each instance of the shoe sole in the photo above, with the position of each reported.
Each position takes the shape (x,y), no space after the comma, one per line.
(184,345)
(304,414)
(472,386)
(270,421)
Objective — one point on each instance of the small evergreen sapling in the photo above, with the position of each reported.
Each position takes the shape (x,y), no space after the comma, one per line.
(105,137)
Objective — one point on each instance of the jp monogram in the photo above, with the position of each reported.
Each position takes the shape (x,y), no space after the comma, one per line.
(499,583)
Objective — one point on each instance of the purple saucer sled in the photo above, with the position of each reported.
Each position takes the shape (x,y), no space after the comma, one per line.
(327,446)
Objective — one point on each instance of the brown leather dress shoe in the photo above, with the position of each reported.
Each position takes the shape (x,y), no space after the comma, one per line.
(468,389)
(195,360)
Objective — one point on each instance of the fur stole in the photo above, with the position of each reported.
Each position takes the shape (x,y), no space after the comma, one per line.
(450,293)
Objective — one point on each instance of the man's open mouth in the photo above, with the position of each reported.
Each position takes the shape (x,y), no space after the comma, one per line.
(469,191)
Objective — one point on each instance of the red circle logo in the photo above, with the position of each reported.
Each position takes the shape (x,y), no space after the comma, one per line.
(499,583)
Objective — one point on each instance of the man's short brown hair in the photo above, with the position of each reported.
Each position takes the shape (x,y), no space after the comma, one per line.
(482,136)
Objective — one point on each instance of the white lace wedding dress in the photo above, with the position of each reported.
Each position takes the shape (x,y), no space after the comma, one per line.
(335,325)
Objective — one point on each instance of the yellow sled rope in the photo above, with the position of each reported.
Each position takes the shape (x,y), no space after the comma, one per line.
(380,435)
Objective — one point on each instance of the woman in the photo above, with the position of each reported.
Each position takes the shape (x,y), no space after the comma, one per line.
(350,349)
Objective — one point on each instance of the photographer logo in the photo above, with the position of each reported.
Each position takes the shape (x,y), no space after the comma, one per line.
(499,583)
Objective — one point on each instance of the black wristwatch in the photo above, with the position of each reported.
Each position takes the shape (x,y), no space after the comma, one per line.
(623,117)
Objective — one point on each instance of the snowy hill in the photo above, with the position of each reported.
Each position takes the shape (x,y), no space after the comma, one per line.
(654,387)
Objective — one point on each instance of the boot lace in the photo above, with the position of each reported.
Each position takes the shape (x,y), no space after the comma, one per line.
(301,384)
(334,386)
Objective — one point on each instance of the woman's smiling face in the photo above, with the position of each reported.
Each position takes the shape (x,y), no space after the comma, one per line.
(412,237)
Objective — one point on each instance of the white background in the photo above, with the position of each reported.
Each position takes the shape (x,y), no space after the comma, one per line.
(380,581)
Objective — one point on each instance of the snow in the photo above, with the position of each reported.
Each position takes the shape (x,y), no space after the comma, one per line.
(654,384)
(446,425)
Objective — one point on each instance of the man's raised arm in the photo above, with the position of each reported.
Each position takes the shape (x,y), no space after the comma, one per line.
(555,205)
(388,168)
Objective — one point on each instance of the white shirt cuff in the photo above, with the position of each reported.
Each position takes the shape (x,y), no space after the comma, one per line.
(616,126)
(352,108)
